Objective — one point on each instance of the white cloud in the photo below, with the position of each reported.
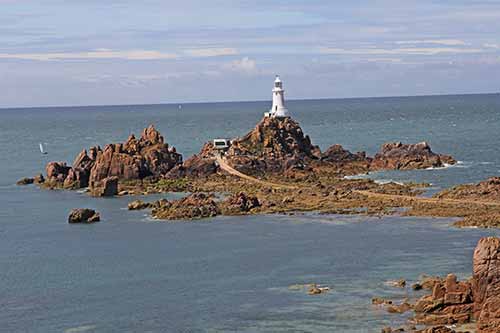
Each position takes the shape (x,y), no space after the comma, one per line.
(244,65)
(402,51)
(492,46)
(211,52)
(96,54)
(447,42)
(112,54)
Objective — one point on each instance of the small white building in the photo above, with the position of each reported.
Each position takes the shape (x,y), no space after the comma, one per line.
(278,109)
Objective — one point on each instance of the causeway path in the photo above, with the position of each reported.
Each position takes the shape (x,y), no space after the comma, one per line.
(229,169)
(226,167)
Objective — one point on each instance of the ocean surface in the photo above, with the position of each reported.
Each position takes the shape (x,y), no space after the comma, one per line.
(129,273)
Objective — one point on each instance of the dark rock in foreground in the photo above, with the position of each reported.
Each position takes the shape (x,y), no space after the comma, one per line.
(83,215)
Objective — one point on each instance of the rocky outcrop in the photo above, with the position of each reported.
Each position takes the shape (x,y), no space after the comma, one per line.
(486,285)
(450,303)
(337,154)
(83,215)
(274,145)
(240,203)
(134,159)
(194,206)
(399,156)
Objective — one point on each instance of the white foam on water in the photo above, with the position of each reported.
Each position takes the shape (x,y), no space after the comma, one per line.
(79,329)
(387,181)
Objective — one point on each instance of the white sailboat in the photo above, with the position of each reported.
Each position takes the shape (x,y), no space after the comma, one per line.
(42,150)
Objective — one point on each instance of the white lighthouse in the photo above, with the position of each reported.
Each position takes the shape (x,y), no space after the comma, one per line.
(278,109)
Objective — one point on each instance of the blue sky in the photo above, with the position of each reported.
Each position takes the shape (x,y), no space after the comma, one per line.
(151,51)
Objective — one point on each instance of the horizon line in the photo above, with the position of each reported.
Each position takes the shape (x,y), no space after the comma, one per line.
(244,101)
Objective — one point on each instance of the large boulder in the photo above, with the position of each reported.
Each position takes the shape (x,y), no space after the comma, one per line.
(399,156)
(486,285)
(83,215)
(107,187)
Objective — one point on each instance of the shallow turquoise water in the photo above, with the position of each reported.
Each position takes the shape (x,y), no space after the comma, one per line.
(130,274)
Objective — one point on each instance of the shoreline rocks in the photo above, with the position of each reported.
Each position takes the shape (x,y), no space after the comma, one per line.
(461,302)
(83,215)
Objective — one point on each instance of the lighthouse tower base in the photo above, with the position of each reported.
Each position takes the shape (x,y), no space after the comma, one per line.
(278,110)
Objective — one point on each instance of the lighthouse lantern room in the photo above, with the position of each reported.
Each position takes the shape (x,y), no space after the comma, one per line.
(278,109)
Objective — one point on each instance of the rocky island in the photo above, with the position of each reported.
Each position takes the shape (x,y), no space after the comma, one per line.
(274,168)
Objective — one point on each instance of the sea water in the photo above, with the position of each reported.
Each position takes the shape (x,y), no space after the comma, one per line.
(130,273)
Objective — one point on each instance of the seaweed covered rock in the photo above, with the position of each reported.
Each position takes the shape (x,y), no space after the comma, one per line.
(240,203)
(399,156)
(194,206)
(83,215)
(488,190)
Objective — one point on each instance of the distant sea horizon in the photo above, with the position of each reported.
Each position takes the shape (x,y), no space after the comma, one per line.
(247,101)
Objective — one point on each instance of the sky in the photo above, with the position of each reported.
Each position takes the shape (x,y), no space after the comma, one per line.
(95,52)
